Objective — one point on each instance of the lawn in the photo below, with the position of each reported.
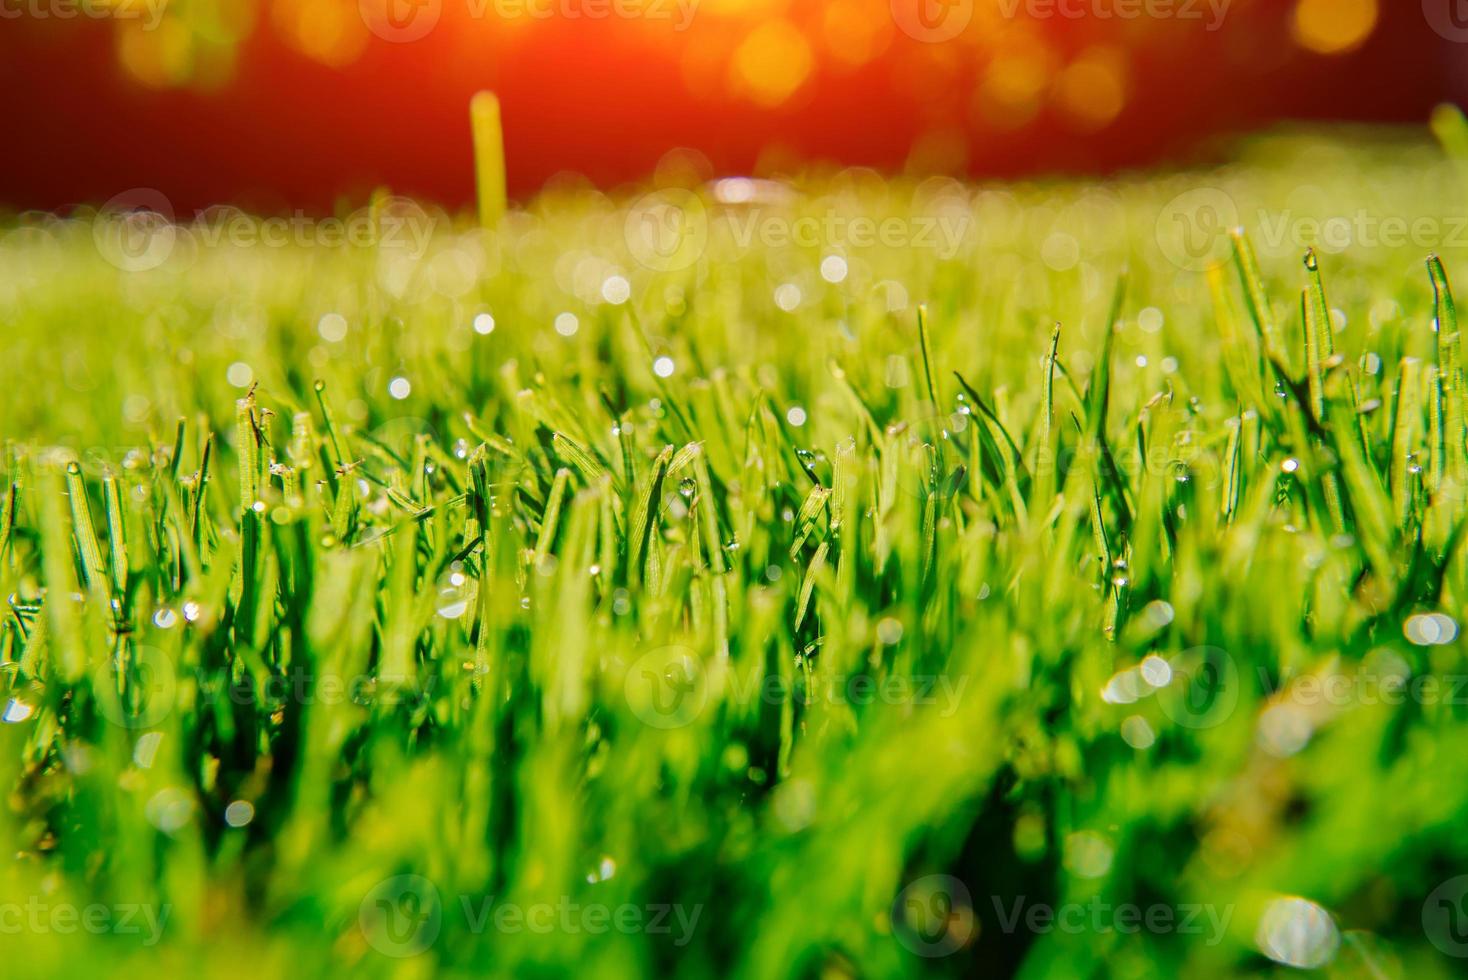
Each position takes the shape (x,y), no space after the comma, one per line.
(835,576)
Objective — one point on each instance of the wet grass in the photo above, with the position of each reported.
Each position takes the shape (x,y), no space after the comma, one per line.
(515,599)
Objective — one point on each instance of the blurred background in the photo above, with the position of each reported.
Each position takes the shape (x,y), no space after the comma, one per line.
(299,104)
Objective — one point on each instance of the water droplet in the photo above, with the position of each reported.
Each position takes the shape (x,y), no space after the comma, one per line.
(1088,854)
(1137,733)
(605,869)
(16,711)
(1298,933)
(239,813)
(169,809)
(833,268)
(1430,629)
(1156,671)
(1284,729)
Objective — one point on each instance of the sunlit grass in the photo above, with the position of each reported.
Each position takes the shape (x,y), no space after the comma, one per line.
(366,599)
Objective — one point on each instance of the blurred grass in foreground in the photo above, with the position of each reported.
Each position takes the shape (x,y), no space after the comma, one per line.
(652,584)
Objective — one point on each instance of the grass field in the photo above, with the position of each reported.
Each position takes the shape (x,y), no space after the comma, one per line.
(845,577)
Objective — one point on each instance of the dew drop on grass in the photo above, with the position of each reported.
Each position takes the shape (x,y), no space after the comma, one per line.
(484,324)
(332,327)
(1430,629)
(16,711)
(1297,932)
(663,367)
(165,618)
(687,486)
(1088,854)
(239,813)
(400,388)
(455,591)
(833,269)
(1155,670)
(169,810)
(787,296)
(1137,733)
(616,290)
(605,869)
(1284,729)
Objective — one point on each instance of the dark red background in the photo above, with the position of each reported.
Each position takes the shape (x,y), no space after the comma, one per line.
(594,98)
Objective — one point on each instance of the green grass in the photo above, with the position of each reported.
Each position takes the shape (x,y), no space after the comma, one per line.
(743,655)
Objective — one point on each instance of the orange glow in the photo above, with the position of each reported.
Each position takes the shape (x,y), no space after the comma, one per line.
(774,61)
(1093,88)
(1334,26)
(1014,84)
(329,31)
(160,58)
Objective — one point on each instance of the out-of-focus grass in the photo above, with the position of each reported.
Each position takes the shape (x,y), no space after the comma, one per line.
(551,597)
